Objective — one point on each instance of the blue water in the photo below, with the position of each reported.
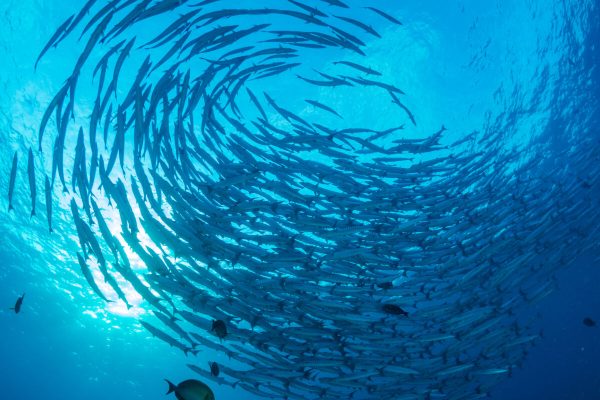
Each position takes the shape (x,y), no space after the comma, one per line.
(463,63)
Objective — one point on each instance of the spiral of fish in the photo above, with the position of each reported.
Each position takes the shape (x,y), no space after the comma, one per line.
(326,259)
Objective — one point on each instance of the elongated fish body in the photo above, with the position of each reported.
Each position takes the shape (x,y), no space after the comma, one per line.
(323,107)
(171,323)
(48,192)
(385,15)
(191,389)
(79,163)
(55,38)
(31,174)
(11,184)
(165,337)
(366,70)
(85,270)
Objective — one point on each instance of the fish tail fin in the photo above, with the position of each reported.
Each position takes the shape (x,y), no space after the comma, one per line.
(10,207)
(32,214)
(171,386)
(50,230)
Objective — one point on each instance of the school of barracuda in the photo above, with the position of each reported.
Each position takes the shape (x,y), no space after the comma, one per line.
(327,261)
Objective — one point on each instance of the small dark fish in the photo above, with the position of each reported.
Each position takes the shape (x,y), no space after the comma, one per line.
(385,285)
(214,368)
(191,390)
(219,328)
(394,310)
(589,322)
(18,304)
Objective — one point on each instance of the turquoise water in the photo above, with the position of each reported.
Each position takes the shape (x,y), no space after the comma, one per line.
(521,76)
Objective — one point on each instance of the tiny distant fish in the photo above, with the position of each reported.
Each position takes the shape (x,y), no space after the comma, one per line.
(589,322)
(18,304)
(214,368)
(394,310)
(385,285)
